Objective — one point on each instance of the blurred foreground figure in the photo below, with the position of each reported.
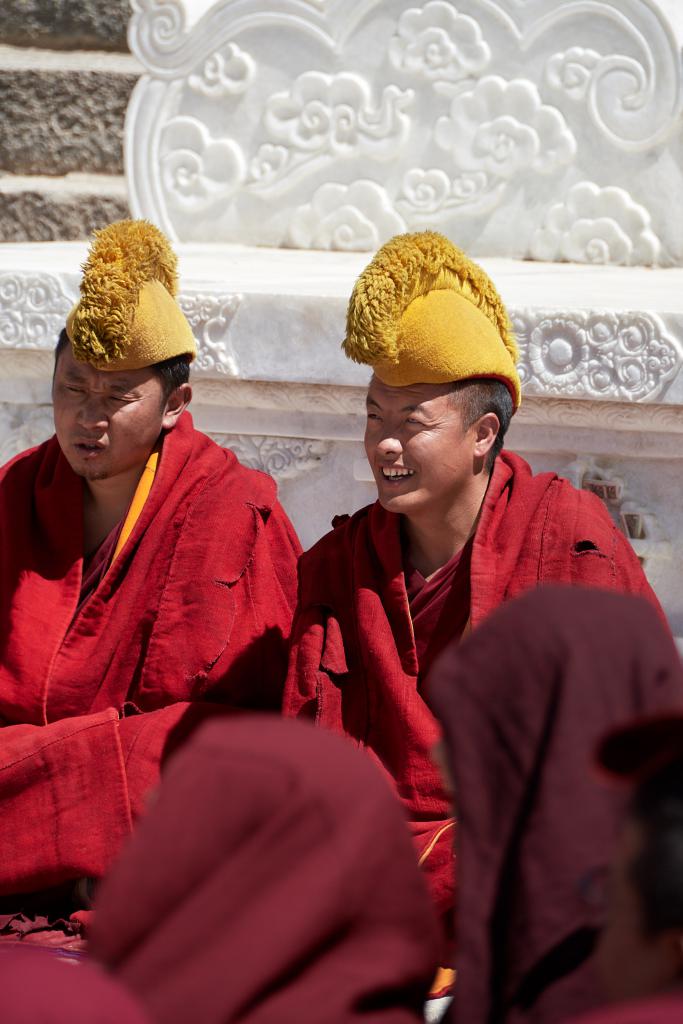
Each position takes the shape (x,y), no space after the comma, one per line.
(40,988)
(272,881)
(144,573)
(523,702)
(640,954)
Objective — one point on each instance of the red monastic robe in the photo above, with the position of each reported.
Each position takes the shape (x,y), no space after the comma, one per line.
(194,613)
(353,661)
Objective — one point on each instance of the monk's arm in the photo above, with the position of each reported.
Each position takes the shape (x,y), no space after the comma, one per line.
(63,800)
(70,791)
(251,672)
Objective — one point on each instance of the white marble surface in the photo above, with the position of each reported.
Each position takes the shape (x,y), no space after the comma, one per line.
(521,128)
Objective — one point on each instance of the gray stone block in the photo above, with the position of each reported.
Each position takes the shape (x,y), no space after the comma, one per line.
(65,25)
(55,122)
(40,217)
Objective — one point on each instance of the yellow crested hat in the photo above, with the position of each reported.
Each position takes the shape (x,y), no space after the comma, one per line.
(127,316)
(423,313)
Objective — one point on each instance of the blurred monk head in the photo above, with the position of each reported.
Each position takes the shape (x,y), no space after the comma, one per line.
(641,948)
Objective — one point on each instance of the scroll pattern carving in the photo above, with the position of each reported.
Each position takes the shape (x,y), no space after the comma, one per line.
(33,309)
(251,121)
(210,317)
(283,458)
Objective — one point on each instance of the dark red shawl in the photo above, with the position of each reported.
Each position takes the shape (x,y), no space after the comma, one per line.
(272,881)
(37,987)
(523,702)
(195,610)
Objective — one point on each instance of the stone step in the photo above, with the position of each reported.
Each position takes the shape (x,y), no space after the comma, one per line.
(63,112)
(42,209)
(63,24)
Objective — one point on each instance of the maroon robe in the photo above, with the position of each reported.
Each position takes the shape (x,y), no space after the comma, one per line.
(523,702)
(439,606)
(272,882)
(39,987)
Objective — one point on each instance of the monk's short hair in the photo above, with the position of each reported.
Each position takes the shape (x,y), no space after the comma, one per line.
(171,372)
(476,398)
(657,870)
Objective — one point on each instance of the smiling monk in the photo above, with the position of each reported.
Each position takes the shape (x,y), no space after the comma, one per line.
(459,525)
(146,579)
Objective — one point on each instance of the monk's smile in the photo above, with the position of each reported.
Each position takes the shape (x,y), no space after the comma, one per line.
(416,446)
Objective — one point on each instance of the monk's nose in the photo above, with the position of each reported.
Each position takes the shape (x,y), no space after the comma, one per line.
(91,414)
(389,446)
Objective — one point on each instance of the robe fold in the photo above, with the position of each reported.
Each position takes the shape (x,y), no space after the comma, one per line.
(353,661)
(192,617)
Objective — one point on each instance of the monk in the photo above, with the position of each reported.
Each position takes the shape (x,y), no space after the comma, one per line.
(297,900)
(459,527)
(536,829)
(639,956)
(146,579)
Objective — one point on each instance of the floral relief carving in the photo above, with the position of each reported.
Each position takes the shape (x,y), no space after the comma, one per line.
(597,225)
(196,170)
(572,71)
(505,130)
(283,458)
(331,116)
(353,217)
(227,72)
(426,192)
(210,317)
(244,104)
(439,43)
(622,356)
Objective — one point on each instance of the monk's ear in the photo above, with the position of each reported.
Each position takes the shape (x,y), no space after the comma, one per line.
(176,404)
(485,433)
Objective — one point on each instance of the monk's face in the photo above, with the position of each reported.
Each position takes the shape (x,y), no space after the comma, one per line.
(107,423)
(420,453)
(632,961)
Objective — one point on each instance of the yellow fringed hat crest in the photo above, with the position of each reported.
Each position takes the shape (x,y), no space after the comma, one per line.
(128,317)
(423,313)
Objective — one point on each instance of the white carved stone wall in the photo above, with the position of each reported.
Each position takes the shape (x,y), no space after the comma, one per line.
(603,382)
(522,128)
